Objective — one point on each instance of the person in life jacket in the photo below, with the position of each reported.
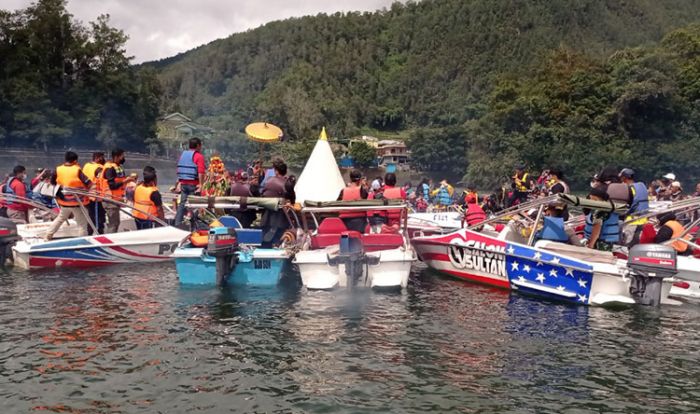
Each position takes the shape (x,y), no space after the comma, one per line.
(69,175)
(113,183)
(354,220)
(148,202)
(93,171)
(522,184)
(638,206)
(423,189)
(390,192)
(191,170)
(473,213)
(243,186)
(554,228)
(442,196)
(671,228)
(274,223)
(469,193)
(602,228)
(15,185)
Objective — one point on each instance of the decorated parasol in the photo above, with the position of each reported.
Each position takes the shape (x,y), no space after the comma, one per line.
(263,133)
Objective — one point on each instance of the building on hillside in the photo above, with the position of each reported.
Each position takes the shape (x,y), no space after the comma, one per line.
(391,152)
(174,130)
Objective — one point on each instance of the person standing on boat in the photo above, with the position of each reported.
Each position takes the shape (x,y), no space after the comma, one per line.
(522,184)
(69,175)
(638,206)
(354,220)
(274,223)
(113,183)
(442,196)
(16,211)
(148,202)
(602,229)
(473,213)
(96,210)
(191,169)
(242,187)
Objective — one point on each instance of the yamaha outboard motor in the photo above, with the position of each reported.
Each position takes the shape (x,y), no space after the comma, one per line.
(649,264)
(223,245)
(8,237)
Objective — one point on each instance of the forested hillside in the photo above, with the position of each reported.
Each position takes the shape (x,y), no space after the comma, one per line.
(64,83)
(424,68)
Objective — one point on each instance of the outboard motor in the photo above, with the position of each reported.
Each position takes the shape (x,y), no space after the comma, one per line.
(8,237)
(649,264)
(223,245)
(352,255)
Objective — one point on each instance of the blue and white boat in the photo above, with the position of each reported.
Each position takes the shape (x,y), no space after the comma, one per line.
(254,266)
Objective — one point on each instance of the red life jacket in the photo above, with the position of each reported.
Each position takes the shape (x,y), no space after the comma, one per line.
(393,193)
(352,193)
(474,214)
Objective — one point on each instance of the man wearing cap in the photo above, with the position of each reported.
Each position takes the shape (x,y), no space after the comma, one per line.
(664,192)
(522,184)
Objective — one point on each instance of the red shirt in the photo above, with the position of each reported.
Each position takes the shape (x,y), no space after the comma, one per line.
(21,191)
(201,164)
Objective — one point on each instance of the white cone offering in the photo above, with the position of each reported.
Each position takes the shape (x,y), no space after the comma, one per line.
(321,179)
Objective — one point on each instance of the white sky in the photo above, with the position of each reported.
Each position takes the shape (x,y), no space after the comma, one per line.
(159,28)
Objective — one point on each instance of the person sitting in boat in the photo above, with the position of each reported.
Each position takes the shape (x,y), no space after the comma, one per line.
(602,228)
(244,186)
(473,213)
(70,176)
(16,211)
(390,192)
(554,227)
(274,223)
(522,185)
(671,228)
(148,202)
(663,193)
(420,205)
(354,220)
(469,193)
(442,196)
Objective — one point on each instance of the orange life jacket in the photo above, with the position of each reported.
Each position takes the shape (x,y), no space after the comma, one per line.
(143,203)
(393,193)
(68,176)
(352,193)
(90,171)
(677,231)
(117,194)
(474,214)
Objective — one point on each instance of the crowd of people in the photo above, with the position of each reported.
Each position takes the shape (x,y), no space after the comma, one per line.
(107,179)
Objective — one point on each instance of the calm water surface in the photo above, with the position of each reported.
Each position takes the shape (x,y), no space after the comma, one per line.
(131,339)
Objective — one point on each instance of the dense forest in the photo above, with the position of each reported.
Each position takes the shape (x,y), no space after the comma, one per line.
(475,85)
(67,84)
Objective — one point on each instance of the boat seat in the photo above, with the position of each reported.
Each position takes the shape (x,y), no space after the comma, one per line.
(577,252)
(375,242)
(321,241)
(230,221)
(332,225)
(246,236)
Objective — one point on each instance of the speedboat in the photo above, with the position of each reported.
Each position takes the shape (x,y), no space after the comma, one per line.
(427,224)
(334,257)
(513,259)
(141,246)
(244,261)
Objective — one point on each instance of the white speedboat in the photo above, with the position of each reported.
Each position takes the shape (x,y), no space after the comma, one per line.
(334,257)
(427,224)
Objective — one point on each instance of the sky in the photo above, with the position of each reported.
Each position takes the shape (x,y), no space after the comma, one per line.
(158,29)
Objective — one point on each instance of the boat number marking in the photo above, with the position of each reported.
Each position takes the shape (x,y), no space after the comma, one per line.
(166,248)
(262,264)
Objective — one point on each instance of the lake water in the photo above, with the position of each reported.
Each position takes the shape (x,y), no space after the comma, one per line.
(131,339)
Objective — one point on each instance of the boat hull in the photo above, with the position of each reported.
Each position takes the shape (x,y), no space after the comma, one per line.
(142,246)
(256,267)
(391,271)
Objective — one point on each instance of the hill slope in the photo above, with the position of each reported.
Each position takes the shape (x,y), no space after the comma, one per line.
(419,64)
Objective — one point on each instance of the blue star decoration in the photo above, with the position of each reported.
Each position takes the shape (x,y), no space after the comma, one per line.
(543,273)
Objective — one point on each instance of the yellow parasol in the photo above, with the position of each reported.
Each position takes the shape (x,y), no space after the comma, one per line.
(263,132)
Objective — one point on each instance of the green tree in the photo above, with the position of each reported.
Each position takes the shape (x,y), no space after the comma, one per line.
(362,153)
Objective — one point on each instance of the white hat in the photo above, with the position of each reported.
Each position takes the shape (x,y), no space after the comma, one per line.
(676,184)
(670,176)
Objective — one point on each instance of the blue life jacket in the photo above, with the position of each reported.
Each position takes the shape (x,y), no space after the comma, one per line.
(553,229)
(610,232)
(186,168)
(640,203)
(426,191)
(6,189)
(443,197)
